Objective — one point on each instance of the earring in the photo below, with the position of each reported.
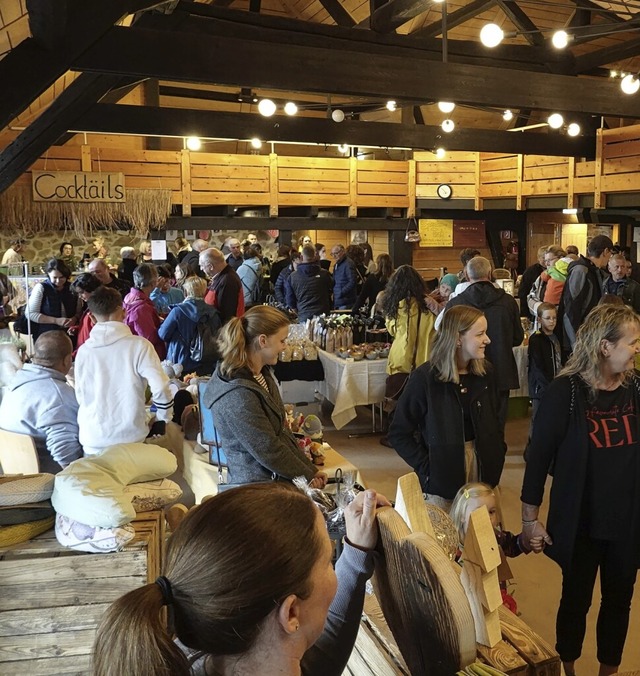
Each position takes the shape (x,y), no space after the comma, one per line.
(297,626)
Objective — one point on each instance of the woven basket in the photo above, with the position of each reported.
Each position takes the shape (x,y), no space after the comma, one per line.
(21,532)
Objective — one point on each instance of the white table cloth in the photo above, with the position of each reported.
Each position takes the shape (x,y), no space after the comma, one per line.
(348,384)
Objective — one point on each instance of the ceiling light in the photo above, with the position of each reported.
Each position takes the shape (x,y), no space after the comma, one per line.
(630,84)
(555,121)
(391,105)
(193,143)
(560,39)
(343,148)
(266,107)
(256,143)
(290,108)
(491,35)
(570,212)
(448,126)
(438,1)
(573,129)
(337,115)
(613,73)
(446,106)
(507,116)
(440,152)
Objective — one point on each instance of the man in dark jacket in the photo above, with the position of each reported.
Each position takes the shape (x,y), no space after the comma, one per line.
(583,288)
(100,270)
(309,288)
(504,327)
(619,284)
(225,288)
(345,278)
(529,277)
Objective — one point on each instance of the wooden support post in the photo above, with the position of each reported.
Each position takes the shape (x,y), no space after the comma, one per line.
(478,202)
(273,185)
(85,158)
(520,178)
(572,201)
(411,189)
(353,187)
(185,176)
(598,198)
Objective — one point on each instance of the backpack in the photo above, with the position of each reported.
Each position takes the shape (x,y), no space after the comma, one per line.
(203,347)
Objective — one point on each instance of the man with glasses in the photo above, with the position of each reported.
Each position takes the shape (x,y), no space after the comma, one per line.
(344,277)
(545,287)
(619,284)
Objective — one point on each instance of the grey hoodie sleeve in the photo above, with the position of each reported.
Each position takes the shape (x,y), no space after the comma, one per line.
(60,427)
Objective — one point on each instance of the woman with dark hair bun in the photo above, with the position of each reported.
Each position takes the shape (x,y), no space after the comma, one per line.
(84,286)
(250,589)
(374,284)
(52,306)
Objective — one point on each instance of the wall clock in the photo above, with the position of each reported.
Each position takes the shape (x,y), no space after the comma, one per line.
(444,191)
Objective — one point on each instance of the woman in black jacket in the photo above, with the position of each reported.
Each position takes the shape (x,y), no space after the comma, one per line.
(446,424)
(586,434)
(374,284)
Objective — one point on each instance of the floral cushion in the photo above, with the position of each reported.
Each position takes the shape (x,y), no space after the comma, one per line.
(82,538)
(150,495)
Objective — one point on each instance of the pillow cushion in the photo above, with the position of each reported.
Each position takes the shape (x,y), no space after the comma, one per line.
(83,538)
(90,490)
(32,511)
(21,532)
(150,495)
(19,489)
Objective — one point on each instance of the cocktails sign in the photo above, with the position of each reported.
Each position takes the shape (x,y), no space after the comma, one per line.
(77,186)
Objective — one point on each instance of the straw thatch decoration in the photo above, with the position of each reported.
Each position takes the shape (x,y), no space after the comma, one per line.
(144,210)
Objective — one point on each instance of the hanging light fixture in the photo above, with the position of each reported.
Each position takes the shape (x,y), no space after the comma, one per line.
(256,143)
(555,121)
(630,84)
(560,39)
(446,106)
(343,148)
(573,129)
(391,105)
(266,107)
(440,153)
(507,116)
(491,35)
(448,126)
(337,115)
(193,143)
(290,108)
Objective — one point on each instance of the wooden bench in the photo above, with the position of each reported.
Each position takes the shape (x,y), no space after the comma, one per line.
(52,598)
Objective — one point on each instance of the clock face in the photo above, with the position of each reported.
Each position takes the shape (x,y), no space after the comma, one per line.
(444,191)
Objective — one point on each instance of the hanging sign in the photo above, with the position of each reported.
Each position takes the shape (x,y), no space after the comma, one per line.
(435,232)
(470,234)
(77,186)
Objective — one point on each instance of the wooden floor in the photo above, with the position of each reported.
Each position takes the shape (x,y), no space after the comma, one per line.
(537,579)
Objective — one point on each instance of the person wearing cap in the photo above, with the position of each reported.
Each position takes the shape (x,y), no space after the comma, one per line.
(12,254)
(437,299)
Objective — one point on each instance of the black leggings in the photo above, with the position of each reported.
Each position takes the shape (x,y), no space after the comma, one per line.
(616,562)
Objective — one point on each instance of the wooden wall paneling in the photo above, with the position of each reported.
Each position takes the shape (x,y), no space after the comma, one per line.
(379,240)
(585,168)
(493,161)
(572,201)
(228,159)
(532,161)
(498,190)
(383,201)
(620,134)
(185,181)
(620,183)
(623,149)
(520,204)
(52,164)
(353,187)
(85,158)
(500,175)
(557,186)
(225,171)
(459,190)
(478,205)
(274,188)
(598,200)
(584,185)
(411,189)
(621,165)
(547,171)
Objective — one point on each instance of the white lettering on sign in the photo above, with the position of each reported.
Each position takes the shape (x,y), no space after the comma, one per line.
(72,186)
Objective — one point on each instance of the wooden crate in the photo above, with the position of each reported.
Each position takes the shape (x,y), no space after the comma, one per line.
(52,599)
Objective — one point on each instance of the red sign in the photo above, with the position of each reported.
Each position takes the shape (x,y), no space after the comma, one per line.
(469,234)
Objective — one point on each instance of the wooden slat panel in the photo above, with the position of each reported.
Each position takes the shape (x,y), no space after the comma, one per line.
(451,156)
(620,182)
(79,568)
(47,620)
(140,168)
(130,155)
(383,165)
(232,198)
(225,171)
(229,185)
(78,664)
(302,199)
(314,162)
(381,189)
(446,177)
(552,171)
(449,167)
(458,190)
(627,149)
(622,165)
(68,152)
(310,186)
(510,162)
(383,176)
(620,134)
(550,187)
(67,643)
(14,597)
(223,159)
(499,176)
(299,174)
(498,190)
(585,168)
(379,201)
(584,185)
(56,165)
(153,182)
(543,161)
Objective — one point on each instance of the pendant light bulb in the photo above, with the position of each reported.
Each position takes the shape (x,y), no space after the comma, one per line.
(391,105)
(446,106)
(507,116)
(448,126)
(573,129)
(560,39)
(343,148)
(193,143)
(256,143)
(440,153)
(290,108)
(630,84)
(266,107)
(337,115)
(491,35)
(555,121)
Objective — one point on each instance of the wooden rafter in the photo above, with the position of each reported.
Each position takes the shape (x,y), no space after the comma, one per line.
(522,22)
(595,31)
(454,19)
(212,124)
(338,13)
(595,8)
(394,13)
(601,57)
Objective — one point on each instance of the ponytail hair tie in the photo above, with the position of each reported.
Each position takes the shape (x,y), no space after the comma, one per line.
(165,588)
(466,494)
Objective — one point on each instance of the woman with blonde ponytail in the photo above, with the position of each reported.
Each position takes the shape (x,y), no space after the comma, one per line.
(249,588)
(247,409)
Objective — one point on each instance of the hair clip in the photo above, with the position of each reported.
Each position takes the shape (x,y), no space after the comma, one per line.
(466,494)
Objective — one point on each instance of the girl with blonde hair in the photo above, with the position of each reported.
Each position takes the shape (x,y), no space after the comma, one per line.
(246,405)
(446,423)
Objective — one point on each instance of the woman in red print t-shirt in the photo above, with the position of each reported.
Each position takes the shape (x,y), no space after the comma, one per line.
(586,436)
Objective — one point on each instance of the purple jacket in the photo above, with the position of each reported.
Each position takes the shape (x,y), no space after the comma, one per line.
(143,320)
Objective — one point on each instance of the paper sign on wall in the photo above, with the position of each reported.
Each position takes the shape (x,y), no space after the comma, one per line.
(435,232)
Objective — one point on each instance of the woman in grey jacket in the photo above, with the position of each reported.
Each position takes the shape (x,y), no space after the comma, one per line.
(247,409)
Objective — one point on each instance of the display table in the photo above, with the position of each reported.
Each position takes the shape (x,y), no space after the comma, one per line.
(349,383)
(202,477)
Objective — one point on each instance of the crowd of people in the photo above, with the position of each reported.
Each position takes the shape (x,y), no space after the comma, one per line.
(453,350)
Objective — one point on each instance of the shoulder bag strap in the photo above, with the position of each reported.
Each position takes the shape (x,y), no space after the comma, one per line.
(415,345)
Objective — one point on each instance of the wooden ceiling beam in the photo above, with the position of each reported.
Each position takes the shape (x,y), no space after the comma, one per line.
(585,63)
(395,13)
(595,31)
(294,68)
(595,8)
(455,19)
(209,124)
(55,121)
(517,16)
(338,13)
